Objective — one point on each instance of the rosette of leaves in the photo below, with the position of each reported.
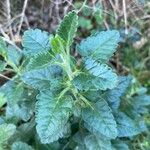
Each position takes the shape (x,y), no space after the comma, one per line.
(56,104)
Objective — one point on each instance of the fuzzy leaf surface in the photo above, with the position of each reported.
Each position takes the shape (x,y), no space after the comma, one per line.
(39,61)
(100,46)
(105,76)
(35,41)
(68,27)
(52,116)
(97,143)
(126,126)
(45,78)
(100,121)
(6,131)
(21,146)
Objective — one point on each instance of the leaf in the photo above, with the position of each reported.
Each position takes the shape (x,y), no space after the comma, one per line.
(58,44)
(2,65)
(45,78)
(126,126)
(12,92)
(52,116)
(13,55)
(93,142)
(6,131)
(21,146)
(100,121)
(22,111)
(120,145)
(141,100)
(2,99)
(106,78)
(114,96)
(39,61)
(35,42)
(3,48)
(68,27)
(99,47)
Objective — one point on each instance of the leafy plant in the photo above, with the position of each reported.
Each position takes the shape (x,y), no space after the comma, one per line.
(53,103)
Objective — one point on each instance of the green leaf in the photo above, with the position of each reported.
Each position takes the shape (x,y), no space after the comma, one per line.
(52,115)
(126,126)
(2,65)
(39,61)
(3,48)
(12,91)
(106,78)
(114,96)
(93,142)
(68,27)
(45,78)
(2,99)
(100,46)
(120,145)
(21,146)
(100,121)
(6,131)
(35,42)
(58,44)
(13,55)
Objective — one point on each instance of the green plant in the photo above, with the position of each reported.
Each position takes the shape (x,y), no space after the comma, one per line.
(53,103)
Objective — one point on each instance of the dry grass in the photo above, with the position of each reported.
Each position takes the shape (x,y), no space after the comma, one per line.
(47,14)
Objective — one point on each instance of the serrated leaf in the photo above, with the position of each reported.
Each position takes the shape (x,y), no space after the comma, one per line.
(126,126)
(93,142)
(100,46)
(52,116)
(68,27)
(6,131)
(39,61)
(35,41)
(21,146)
(114,96)
(100,121)
(45,78)
(105,76)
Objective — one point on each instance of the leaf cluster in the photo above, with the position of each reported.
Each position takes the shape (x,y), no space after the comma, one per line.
(53,103)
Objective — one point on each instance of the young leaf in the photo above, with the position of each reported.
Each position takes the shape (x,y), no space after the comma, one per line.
(93,142)
(21,146)
(58,44)
(35,42)
(52,115)
(107,78)
(100,121)
(6,131)
(101,46)
(68,27)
